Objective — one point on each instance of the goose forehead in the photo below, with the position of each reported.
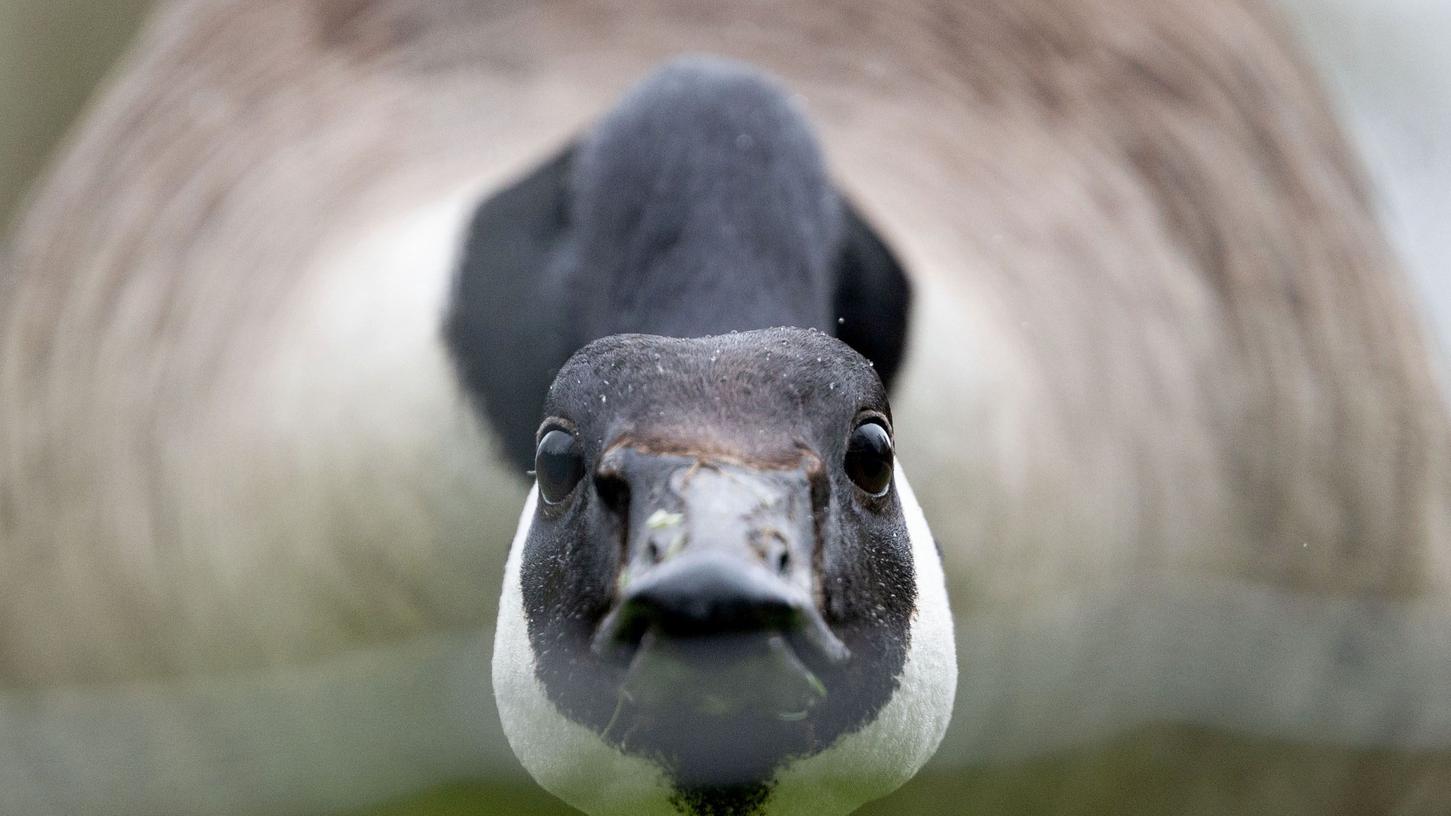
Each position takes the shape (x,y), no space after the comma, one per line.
(791,376)
(807,353)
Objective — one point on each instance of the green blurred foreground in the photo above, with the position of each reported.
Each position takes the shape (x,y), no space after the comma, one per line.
(1155,764)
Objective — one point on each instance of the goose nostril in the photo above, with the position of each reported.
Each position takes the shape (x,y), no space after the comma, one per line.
(782,561)
(772,548)
(614,491)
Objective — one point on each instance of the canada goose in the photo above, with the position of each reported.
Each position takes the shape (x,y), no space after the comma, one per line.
(716,602)
(1191,552)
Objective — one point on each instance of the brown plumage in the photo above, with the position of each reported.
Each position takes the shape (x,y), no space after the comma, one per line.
(1162,359)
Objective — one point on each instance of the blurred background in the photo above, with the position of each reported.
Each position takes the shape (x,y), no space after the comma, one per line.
(1384,63)
(52,54)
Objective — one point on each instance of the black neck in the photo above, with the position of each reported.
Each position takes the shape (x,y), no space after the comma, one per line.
(699,205)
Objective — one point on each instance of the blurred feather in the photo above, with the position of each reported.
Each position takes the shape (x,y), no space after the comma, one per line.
(1188,460)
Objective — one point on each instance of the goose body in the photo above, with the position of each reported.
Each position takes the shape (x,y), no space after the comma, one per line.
(699,206)
(1158,387)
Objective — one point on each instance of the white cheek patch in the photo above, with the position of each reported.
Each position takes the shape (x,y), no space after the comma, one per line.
(573,763)
(876,760)
(564,757)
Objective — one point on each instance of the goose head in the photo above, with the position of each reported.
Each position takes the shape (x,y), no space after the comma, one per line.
(722,598)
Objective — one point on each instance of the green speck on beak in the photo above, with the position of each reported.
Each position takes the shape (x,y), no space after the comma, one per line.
(660,519)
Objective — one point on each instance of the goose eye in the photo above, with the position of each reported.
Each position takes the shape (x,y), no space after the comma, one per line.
(869,458)
(558,465)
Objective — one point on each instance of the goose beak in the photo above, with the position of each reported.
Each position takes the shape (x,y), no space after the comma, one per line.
(709,594)
(716,604)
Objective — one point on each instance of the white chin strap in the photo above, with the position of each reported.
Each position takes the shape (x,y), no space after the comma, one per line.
(565,758)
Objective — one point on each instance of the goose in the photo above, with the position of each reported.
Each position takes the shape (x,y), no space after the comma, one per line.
(715,603)
(256,503)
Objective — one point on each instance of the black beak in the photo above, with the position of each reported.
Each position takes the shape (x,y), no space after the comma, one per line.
(716,550)
(704,594)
